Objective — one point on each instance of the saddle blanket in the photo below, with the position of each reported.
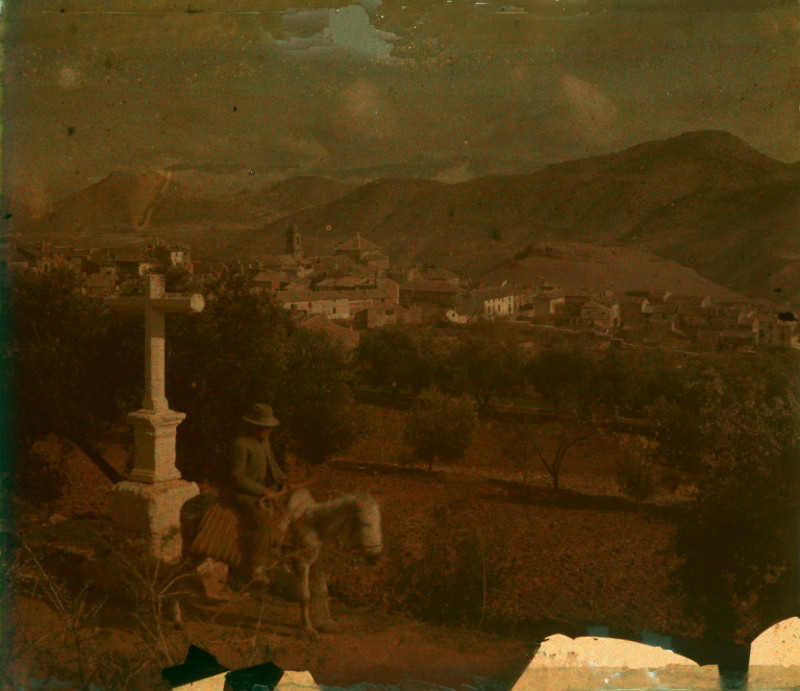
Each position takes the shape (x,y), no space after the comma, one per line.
(220,535)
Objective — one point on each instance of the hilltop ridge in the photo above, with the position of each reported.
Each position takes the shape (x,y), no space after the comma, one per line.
(703,199)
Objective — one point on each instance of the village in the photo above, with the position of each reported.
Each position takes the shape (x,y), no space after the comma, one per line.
(356,287)
(500,494)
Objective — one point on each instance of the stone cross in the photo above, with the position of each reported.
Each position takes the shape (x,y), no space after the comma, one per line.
(155,425)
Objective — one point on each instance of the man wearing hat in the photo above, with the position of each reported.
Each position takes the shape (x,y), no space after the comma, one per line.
(255,474)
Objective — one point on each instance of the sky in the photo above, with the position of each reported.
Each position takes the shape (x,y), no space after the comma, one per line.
(247,92)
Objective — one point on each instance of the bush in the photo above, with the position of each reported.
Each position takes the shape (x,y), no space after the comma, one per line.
(394,359)
(636,476)
(62,373)
(454,576)
(440,429)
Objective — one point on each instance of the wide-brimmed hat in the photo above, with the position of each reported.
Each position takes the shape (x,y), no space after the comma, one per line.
(261,414)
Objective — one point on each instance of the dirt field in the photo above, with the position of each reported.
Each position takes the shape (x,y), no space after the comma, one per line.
(539,563)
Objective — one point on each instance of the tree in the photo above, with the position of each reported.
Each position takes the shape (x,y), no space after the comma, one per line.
(482,367)
(561,376)
(316,395)
(243,348)
(62,360)
(75,368)
(738,538)
(393,358)
(547,444)
(728,425)
(440,429)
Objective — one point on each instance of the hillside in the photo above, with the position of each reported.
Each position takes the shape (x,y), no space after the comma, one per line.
(578,267)
(151,202)
(704,199)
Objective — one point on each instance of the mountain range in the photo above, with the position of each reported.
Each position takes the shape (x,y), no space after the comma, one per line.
(703,200)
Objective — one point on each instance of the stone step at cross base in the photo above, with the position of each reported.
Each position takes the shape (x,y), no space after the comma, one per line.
(152,512)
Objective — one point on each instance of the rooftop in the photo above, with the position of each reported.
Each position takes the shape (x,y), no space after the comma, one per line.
(357,244)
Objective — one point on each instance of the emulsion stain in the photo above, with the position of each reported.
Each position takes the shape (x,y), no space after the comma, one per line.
(71,130)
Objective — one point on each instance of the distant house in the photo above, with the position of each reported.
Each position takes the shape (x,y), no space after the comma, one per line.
(173,256)
(432,274)
(539,306)
(376,260)
(600,313)
(336,304)
(695,315)
(662,315)
(491,303)
(329,304)
(286,266)
(775,330)
(133,264)
(267,281)
(568,308)
(688,300)
(358,249)
(632,309)
(40,257)
(385,294)
(333,265)
(428,292)
(358,280)
(377,315)
(75,258)
(390,288)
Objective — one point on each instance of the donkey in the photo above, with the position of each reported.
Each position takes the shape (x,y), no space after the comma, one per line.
(354,520)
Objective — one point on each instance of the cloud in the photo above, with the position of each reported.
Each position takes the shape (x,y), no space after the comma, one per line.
(593,112)
(365,112)
(308,152)
(344,30)
(461,172)
(69,77)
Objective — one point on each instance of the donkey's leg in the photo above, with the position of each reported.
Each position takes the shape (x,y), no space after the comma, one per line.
(304,595)
(320,596)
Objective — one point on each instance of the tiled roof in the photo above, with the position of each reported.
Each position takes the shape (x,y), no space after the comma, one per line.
(421,286)
(357,244)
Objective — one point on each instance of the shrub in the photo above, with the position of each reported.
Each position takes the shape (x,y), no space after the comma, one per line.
(636,476)
(452,578)
(394,359)
(440,429)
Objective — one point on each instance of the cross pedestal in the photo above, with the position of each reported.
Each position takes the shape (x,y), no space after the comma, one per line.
(154,436)
(149,502)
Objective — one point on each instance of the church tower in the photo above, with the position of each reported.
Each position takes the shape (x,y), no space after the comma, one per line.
(293,244)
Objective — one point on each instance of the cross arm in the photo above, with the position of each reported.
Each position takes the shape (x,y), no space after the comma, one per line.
(190,303)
